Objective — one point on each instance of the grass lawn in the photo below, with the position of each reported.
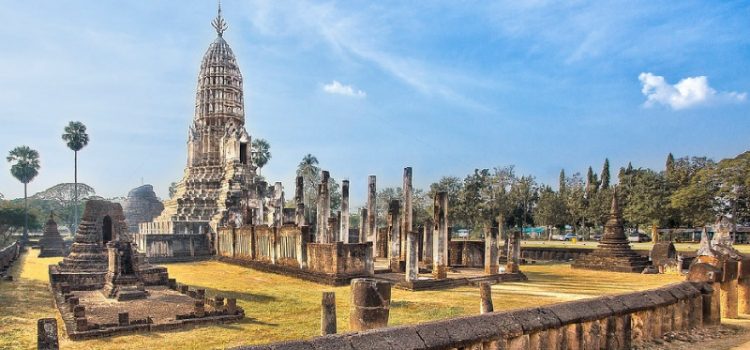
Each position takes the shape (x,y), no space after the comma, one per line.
(282,308)
(682,247)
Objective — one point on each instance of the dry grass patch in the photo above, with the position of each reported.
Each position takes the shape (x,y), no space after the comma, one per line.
(282,308)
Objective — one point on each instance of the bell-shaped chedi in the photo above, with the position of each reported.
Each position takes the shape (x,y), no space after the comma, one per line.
(51,243)
(613,252)
(142,205)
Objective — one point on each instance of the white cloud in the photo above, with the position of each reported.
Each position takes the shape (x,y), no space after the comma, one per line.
(687,93)
(347,90)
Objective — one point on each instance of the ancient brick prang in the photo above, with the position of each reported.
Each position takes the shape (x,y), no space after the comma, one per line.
(87,264)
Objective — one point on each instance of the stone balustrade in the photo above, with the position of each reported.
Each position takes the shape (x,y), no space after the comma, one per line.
(8,255)
(611,322)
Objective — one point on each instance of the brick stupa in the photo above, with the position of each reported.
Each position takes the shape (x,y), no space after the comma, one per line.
(614,252)
(51,244)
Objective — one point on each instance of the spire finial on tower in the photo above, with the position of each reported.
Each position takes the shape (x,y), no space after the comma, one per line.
(218,23)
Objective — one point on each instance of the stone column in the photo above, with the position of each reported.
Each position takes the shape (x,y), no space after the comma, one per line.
(743,295)
(394,248)
(344,234)
(371,234)
(302,246)
(485,294)
(370,304)
(440,240)
(326,181)
(729,299)
(490,251)
(328,314)
(46,334)
(278,205)
(322,219)
(412,258)
(406,219)
(743,287)
(514,252)
(363,228)
(299,199)
(123,318)
(333,230)
(427,243)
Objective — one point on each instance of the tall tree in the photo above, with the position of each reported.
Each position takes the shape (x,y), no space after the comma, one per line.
(261,153)
(647,198)
(25,168)
(562,182)
(605,174)
(453,187)
(61,199)
(550,210)
(310,171)
(592,182)
(76,138)
(669,168)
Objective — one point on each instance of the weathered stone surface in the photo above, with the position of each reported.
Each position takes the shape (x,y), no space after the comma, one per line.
(141,205)
(370,304)
(328,313)
(46,330)
(86,266)
(51,243)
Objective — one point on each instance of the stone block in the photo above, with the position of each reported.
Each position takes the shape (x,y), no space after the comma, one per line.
(123,318)
(79,311)
(46,331)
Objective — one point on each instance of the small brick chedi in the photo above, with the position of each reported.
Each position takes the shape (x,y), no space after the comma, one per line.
(102,232)
(614,252)
(51,244)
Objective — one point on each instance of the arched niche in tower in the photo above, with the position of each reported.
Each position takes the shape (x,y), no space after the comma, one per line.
(107,229)
(243,152)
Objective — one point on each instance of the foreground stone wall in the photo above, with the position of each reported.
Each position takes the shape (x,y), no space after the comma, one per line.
(611,322)
(8,255)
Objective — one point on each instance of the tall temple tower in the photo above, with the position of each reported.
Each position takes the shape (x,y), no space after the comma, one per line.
(219,185)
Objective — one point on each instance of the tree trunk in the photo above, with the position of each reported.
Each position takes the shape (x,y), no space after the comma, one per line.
(25,215)
(74,229)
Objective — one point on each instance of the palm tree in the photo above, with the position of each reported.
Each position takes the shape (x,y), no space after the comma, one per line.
(76,138)
(310,172)
(261,153)
(25,168)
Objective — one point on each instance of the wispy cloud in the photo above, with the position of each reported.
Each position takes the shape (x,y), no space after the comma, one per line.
(687,93)
(340,89)
(361,36)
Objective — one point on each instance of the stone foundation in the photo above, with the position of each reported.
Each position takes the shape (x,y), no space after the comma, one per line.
(173,247)
(286,250)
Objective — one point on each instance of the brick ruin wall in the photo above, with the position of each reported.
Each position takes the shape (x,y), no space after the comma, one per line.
(611,322)
(287,248)
(172,247)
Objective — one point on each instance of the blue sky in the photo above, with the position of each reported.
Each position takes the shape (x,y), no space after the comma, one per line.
(372,87)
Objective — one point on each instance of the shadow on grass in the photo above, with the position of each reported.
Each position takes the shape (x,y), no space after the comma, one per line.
(240,296)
